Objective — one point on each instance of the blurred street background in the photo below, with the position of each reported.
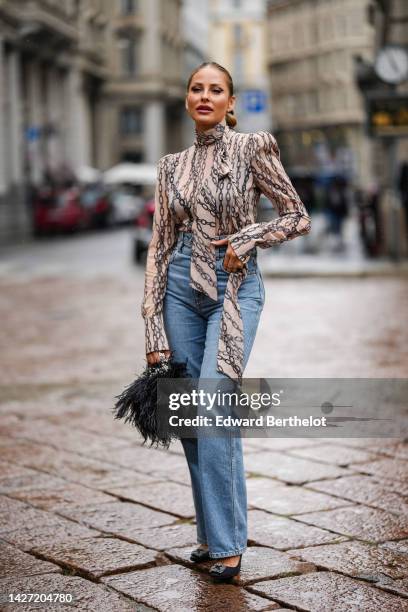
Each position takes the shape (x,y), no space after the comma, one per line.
(91,96)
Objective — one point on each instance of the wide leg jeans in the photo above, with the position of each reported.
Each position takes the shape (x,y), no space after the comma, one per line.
(192,323)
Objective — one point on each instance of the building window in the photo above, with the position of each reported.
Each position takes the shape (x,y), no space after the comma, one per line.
(314,32)
(371,13)
(313,102)
(131,121)
(298,33)
(128,7)
(356,21)
(341,25)
(128,56)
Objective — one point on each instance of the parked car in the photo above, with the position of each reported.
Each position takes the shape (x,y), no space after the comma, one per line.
(126,205)
(143,231)
(58,210)
(96,202)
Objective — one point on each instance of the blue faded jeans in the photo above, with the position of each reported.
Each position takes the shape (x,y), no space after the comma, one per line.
(192,324)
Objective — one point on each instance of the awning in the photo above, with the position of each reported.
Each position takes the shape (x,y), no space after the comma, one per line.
(127,172)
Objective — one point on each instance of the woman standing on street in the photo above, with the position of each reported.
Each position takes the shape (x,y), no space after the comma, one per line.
(204,293)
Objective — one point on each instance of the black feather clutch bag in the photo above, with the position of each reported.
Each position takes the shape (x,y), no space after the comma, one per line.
(138,403)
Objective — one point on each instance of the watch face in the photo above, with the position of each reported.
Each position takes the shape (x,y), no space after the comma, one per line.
(391,64)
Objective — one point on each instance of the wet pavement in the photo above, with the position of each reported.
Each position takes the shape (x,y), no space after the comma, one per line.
(86,510)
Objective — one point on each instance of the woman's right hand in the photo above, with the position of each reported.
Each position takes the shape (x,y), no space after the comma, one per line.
(154,357)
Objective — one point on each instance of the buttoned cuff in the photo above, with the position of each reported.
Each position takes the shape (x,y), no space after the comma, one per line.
(155,336)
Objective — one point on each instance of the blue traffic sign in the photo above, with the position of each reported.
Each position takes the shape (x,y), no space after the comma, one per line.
(33,133)
(254,100)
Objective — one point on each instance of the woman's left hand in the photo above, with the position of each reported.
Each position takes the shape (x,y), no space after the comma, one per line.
(232,262)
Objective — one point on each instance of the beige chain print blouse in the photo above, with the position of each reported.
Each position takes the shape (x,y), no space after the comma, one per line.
(213,189)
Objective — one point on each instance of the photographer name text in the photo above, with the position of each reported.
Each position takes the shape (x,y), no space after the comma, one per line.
(259,421)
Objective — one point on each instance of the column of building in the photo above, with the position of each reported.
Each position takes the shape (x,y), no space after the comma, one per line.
(36,161)
(79,138)
(3,89)
(17,213)
(154,117)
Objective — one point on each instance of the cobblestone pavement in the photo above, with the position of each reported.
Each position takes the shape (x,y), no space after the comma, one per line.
(86,510)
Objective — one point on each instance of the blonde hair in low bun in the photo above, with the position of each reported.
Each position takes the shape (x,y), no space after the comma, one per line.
(229,117)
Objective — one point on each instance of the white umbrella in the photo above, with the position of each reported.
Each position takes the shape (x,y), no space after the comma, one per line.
(86,174)
(127,172)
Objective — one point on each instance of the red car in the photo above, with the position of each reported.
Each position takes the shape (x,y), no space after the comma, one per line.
(59,211)
(143,231)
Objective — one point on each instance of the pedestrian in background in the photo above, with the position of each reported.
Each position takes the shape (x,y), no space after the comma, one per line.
(204,293)
(337,210)
(403,188)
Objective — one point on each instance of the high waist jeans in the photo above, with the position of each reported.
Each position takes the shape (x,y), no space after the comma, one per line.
(192,324)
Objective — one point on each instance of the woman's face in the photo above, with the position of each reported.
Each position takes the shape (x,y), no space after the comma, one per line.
(208,98)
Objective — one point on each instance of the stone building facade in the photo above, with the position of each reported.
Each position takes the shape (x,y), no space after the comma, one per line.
(318,111)
(85,83)
(143,97)
(52,68)
(195,19)
(237,40)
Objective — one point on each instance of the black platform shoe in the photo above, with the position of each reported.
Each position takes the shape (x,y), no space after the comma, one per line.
(200,554)
(221,572)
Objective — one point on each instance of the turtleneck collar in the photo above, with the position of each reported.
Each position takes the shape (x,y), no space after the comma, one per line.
(211,135)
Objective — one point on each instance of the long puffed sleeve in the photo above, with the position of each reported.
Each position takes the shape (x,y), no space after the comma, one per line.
(272,180)
(163,239)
